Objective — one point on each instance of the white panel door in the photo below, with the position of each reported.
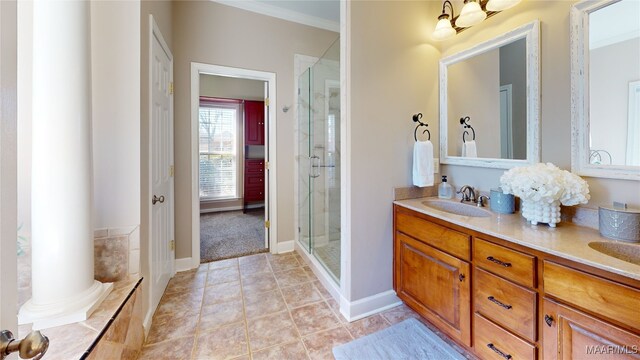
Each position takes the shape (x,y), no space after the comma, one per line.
(8,168)
(162,253)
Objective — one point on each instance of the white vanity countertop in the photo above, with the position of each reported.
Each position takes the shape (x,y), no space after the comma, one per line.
(567,241)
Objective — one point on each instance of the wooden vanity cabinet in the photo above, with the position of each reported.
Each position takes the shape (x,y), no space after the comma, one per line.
(524,304)
(432,282)
(571,334)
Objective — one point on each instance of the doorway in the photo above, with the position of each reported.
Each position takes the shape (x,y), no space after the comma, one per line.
(231,162)
(233,159)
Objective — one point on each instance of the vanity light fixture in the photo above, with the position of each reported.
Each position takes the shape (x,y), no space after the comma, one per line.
(444,30)
(470,15)
(473,12)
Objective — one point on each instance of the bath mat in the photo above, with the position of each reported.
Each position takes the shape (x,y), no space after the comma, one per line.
(407,340)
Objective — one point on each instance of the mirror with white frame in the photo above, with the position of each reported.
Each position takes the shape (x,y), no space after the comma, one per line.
(605,88)
(489,102)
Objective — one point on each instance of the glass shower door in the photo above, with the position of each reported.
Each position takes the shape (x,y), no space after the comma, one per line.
(304,153)
(319,160)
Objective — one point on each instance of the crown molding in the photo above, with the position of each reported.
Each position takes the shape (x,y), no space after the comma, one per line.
(284,14)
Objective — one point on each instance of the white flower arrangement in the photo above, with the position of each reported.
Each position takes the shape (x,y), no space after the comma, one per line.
(545,183)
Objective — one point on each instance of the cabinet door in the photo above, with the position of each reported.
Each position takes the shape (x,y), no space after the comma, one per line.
(435,284)
(254,123)
(571,334)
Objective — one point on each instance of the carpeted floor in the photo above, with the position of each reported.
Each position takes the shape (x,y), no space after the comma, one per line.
(230,234)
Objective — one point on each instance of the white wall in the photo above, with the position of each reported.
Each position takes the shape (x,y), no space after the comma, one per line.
(609,96)
(115,57)
(115,61)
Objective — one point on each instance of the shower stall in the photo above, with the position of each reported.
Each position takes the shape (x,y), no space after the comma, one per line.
(319,160)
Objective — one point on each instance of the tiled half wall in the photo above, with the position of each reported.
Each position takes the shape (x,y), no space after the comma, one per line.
(116,253)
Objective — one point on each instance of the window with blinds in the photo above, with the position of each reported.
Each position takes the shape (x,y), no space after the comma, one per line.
(218,150)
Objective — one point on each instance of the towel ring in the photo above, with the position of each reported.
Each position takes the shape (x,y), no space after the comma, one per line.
(465,125)
(416,118)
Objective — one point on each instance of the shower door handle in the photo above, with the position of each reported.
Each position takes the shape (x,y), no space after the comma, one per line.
(314,166)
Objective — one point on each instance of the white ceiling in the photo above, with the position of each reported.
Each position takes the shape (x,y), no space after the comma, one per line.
(324,14)
(614,23)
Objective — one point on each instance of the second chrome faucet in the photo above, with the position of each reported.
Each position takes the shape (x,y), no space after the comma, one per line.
(468,194)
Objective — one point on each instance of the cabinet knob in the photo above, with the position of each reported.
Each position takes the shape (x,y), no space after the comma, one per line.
(461,277)
(548,319)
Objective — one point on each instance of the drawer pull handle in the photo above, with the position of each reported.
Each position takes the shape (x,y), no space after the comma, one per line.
(498,302)
(492,347)
(494,260)
(548,319)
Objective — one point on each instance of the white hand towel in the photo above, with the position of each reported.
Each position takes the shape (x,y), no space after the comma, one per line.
(469,149)
(423,163)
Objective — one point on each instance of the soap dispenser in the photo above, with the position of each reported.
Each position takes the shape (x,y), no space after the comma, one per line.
(445,191)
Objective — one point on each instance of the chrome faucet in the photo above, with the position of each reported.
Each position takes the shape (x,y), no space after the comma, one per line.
(480,202)
(468,194)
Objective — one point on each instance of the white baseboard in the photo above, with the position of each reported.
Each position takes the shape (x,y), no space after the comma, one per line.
(285,246)
(185,264)
(230,208)
(368,306)
(147,323)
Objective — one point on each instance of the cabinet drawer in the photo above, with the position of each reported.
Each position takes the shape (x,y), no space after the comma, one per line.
(510,264)
(253,193)
(254,180)
(594,294)
(493,342)
(450,241)
(255,166)
(510,305)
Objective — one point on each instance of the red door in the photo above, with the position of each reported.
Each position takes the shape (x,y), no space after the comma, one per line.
(254,122)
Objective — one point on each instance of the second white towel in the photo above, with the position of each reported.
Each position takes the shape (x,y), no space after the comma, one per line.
(469,149)
(423,163)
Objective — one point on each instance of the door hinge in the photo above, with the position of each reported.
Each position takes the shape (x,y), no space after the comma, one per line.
(172,245)
(171,170)
(171,88)
(267,224)
(266,165)
(266,102)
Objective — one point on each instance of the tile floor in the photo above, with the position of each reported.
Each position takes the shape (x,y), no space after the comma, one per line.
(255,307)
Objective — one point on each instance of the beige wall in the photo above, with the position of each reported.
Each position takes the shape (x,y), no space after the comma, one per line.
(474,91)
(210,33)
(161,11)
(555,104)
(513,70)
(231,88)
(393,75)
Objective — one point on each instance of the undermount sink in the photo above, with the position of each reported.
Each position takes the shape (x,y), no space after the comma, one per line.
(622,251)
(457,208)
